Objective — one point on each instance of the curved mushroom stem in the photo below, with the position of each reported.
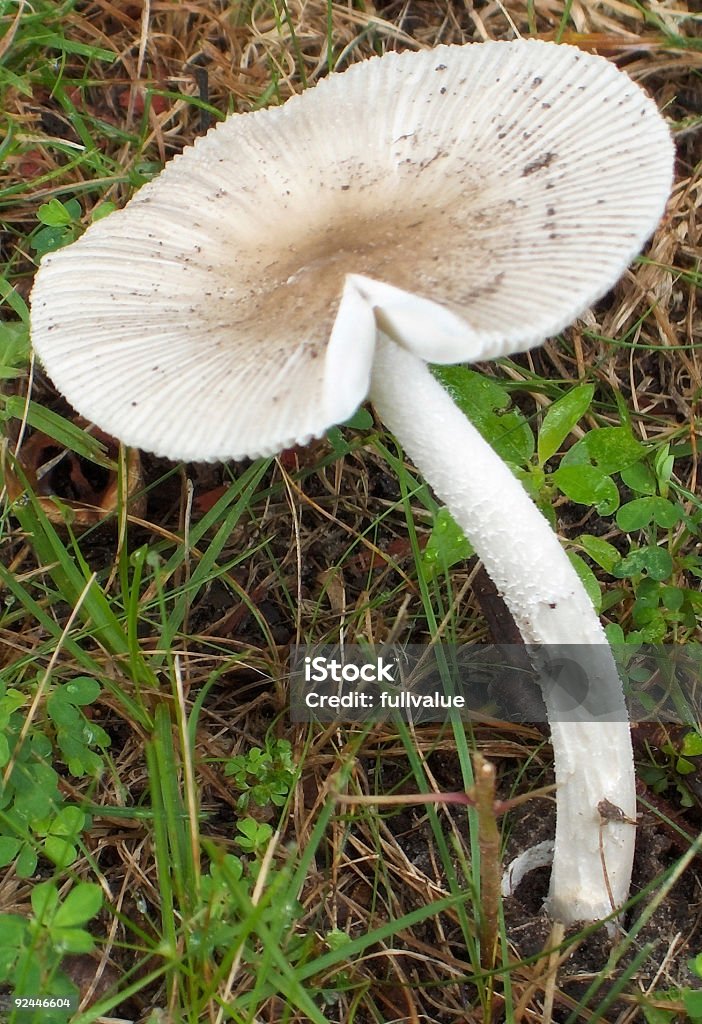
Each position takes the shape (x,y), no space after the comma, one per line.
(594,763)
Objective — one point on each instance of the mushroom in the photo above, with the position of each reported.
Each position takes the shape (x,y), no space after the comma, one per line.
(451,205)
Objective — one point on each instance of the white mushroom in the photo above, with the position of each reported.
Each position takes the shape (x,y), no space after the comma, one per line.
(451,205)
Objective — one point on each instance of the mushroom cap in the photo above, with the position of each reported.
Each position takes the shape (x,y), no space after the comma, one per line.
(469,201)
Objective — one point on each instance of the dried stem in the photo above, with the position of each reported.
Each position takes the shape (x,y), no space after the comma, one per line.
(490,865)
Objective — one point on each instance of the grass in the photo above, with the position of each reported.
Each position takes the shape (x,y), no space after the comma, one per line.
(142,656)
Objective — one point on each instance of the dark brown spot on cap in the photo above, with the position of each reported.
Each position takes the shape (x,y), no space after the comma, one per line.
(539,165)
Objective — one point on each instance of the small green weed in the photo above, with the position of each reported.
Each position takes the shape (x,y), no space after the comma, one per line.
(35,818)
(61,226)
(263,776)
(253,835)
(76,735)
(687,1000)
(31,948)
(595,471)
(231,880)
(670,771)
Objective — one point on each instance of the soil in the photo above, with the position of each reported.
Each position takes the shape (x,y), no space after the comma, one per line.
(673,926)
